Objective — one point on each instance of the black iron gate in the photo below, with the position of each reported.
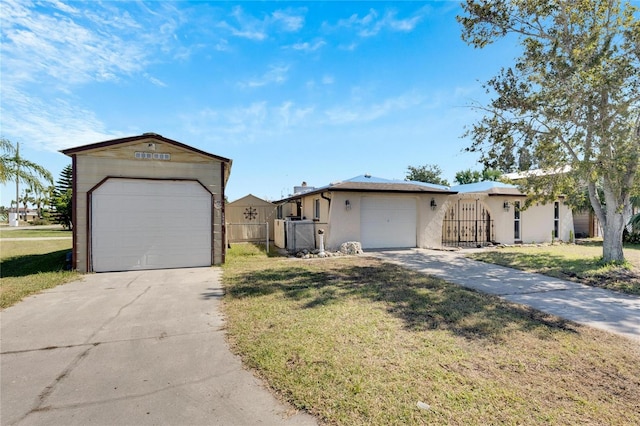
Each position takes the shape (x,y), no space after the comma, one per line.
(467,223)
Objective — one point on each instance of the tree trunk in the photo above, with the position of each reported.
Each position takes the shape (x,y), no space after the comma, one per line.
(612,243)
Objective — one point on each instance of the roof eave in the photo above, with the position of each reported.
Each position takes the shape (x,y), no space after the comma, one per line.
(338,189)
(112,142)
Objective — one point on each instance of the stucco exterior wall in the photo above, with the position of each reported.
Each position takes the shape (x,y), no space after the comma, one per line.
(537,223)
(430,220)
(90,168)
(502,219)
(345,222)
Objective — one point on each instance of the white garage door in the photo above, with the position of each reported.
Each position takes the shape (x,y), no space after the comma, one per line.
(150,224)
(387,222)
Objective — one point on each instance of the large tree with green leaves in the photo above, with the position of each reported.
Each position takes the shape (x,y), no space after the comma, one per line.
(429,173)
(570,102)
(472,176)
(62,198)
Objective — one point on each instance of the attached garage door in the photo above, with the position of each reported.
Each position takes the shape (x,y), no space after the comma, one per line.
(150,224)
(387,222)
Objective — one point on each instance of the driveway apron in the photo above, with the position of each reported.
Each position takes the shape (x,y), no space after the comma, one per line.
(614,312)
(129,348)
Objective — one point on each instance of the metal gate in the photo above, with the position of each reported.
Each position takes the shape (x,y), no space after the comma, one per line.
(467,223)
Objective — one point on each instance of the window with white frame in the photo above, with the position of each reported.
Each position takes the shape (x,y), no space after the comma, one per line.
(516,221)
(556,219)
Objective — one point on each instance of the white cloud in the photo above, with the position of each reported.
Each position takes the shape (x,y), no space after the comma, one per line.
(247,26)
(355,21)
(155,81)
(372,23)
(64,7)
(307,47)
(49,49)
(328,79)
(275,75)
(291,21)
(253,123)
(222,45)
(248,33)
(349,47)
(290,115)
(52,125)
(359,112)
(74,47)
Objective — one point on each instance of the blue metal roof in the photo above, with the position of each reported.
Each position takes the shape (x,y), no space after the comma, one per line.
(481,186)
(374,179)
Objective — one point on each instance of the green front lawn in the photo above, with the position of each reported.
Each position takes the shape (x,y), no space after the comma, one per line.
(575,262)
(356,341)
(29,267)
(34,233)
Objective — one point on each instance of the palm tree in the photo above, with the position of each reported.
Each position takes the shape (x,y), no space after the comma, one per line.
(13,167)
(26,199)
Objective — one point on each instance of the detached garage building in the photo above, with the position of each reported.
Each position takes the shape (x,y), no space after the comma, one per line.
(147,202)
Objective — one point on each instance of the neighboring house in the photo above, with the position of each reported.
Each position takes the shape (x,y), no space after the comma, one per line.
(378,213)
(249,218)
(494,212)
(586,224)
(28,215)
(147,202)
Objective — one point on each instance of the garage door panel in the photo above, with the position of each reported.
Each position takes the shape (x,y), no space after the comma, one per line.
(388,222)
(144,224)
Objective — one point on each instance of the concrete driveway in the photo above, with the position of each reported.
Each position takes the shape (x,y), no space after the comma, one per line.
(129,348)
(607,310)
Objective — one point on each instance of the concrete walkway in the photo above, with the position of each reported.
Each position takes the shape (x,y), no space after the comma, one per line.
(603,309)
(129,348)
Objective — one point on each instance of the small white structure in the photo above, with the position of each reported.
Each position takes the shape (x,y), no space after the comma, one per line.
(13,219)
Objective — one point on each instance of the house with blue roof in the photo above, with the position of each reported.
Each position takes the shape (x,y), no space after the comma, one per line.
(383,213)
(377,212)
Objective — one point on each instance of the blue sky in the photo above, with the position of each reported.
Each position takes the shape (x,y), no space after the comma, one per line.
(290,91)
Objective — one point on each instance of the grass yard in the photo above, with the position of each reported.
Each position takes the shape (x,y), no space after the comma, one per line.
(575,262)
(356,341)
(34,233)
(29,267)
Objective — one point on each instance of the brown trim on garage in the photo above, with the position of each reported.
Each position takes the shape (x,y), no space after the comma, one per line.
(88,267)
(74,203)
(99,184)
(213,228)
(223,222)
